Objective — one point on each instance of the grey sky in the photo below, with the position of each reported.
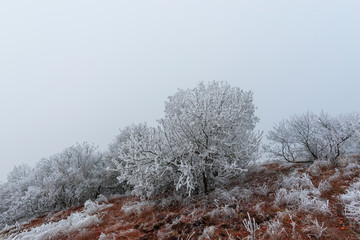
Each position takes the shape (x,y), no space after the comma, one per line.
(74,71)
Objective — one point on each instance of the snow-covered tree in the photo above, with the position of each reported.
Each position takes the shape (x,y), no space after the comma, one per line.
(209,131)
(309,137)
(62,180)
(12,194)
(206,137)
(141,158)
(73,176)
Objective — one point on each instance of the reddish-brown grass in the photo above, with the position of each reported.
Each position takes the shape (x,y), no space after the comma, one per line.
(184,221)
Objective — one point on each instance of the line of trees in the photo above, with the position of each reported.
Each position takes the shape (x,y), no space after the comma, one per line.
(206,138)
(60,181)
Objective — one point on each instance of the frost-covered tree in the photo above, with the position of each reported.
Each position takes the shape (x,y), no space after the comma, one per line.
(309,137)
(206,137)
(73,176)
(12,194)
(141,158)
(209,131)
(62,180)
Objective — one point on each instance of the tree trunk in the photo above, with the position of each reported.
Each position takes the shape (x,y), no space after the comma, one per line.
(205,183)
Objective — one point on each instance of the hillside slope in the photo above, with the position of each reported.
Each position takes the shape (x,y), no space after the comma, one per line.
(283,201)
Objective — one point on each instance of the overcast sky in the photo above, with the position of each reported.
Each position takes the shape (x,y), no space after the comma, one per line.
(74,71)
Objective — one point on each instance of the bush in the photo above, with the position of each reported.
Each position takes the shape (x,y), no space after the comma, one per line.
(299,193)
(351,201)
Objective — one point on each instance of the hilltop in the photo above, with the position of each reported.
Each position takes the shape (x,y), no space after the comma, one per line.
(283,201)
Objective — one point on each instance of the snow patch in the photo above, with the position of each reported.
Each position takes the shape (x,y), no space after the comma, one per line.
(77,221)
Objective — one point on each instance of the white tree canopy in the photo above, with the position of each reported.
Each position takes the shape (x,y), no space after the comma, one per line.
(309,137)
(62,180)
(206,136)
(211,128)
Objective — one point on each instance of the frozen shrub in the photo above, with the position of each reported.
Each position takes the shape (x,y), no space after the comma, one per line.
(177,220)
(352,166)
(224,212)
(282,214)
(171,200)
(315,229)
(196,213)
(324,185)
(259,208)
(351,169)
(293,225)
(302,200)
(299,193)
(314,169)
(245,195)
(275,229)
(351,201)
(262,189)
(137,207)
(301,182)
(101,199)
(208,233)
(103,236)
(122,234)
(163,233)
(230,236)
(233,196)
(251,226)
(91,207)
(226,196)
(335,176)
(322,164)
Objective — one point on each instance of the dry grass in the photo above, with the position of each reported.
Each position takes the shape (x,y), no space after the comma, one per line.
(221,214)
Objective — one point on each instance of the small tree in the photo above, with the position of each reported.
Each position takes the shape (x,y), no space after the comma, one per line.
(309,137)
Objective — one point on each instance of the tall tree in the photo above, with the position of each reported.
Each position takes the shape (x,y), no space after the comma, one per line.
(209,131)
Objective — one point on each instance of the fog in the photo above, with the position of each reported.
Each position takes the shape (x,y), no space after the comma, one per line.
(74,71)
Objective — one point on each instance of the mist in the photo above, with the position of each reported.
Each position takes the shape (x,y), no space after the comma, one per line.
(80,71)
